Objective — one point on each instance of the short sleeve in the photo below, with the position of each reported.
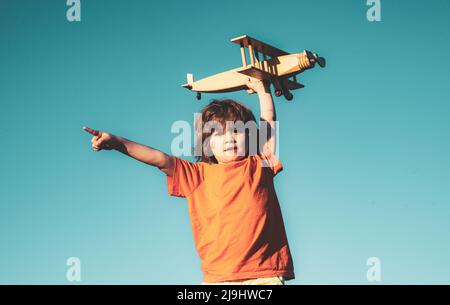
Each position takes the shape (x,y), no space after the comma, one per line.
(185,178)
(270,160)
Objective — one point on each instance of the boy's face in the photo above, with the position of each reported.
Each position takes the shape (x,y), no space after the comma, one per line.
(228,144)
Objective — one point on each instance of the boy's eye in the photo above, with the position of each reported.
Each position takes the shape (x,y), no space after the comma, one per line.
(216,132)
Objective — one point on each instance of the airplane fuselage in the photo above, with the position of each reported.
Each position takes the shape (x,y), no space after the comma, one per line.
(233,80)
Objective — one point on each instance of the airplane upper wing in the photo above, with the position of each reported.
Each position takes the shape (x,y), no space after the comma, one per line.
(262,47)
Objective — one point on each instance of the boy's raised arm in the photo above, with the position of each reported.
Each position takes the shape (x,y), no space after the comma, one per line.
(267,107)
(105,141)
(267,113)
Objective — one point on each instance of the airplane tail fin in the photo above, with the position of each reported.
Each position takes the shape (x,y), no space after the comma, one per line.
(190,80)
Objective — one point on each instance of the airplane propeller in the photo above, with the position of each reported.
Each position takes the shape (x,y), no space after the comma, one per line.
(320,60)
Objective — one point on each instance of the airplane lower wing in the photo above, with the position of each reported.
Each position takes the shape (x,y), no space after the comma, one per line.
(262,75)
(291,85)
(255,73)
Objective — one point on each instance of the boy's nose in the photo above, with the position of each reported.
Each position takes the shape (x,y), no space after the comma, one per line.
(229,137)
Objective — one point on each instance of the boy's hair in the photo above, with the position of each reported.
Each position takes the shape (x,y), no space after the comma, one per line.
(220,111)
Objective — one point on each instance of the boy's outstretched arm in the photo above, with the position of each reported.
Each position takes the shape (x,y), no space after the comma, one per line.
(105,141)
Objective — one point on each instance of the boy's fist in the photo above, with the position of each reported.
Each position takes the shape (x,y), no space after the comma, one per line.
(257,85)
(101,140)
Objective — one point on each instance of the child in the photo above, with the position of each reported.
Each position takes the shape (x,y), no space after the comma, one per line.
(235,215)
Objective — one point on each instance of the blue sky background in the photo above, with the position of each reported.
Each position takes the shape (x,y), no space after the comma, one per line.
(365,146)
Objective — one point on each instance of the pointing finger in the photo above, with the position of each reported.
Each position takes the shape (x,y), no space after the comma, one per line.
(92,131)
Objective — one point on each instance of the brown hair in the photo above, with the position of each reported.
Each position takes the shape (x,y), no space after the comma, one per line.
(220,111)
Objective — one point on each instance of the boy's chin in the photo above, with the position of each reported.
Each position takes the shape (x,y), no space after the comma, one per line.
(230,158)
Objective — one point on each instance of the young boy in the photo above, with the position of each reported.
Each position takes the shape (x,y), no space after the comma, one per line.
(235,215)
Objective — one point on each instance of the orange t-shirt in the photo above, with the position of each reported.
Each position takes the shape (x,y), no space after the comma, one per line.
(235,216)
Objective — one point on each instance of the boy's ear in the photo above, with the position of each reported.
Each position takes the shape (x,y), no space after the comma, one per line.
(208,145)
(207,150)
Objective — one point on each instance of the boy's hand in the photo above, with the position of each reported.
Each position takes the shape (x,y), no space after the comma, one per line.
(258,86)
(101,140)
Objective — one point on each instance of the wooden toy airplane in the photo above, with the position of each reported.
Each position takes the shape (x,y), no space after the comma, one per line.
(281,69)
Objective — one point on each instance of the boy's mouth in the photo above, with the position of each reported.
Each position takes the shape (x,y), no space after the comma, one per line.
(230,148)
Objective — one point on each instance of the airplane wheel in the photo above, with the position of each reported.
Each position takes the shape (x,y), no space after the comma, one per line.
(289,97)
(278,93)
(199,96)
